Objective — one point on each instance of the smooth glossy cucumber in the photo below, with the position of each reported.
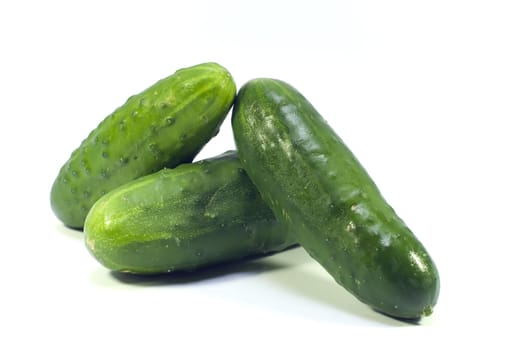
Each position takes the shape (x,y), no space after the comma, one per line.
(165,125)
(182,219)
(316,186)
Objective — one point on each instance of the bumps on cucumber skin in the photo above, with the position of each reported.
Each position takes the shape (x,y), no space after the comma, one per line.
(163,126)
(184,218)
(317,188)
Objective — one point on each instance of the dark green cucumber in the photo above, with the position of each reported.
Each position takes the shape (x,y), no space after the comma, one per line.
(165,125)
(182,219)
(317,188)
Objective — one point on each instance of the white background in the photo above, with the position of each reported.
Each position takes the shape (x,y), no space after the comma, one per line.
(427,94)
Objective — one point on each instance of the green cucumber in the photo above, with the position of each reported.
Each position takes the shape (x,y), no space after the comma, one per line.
(318,189)
(184,218)
(165,125)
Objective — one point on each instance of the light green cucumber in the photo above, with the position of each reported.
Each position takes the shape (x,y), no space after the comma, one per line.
(184,218)
(163,126)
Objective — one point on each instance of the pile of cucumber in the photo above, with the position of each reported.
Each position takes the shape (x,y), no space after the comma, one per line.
(146,209)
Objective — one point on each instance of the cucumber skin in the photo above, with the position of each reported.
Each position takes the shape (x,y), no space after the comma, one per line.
(316,187)
(184,218)
(165,125)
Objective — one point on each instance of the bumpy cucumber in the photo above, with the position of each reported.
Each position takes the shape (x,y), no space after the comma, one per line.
(182,219)
(165,125)
(317,188)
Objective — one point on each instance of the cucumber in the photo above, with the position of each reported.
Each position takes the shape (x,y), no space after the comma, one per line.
(317,188)
(184,218)
(165,125)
